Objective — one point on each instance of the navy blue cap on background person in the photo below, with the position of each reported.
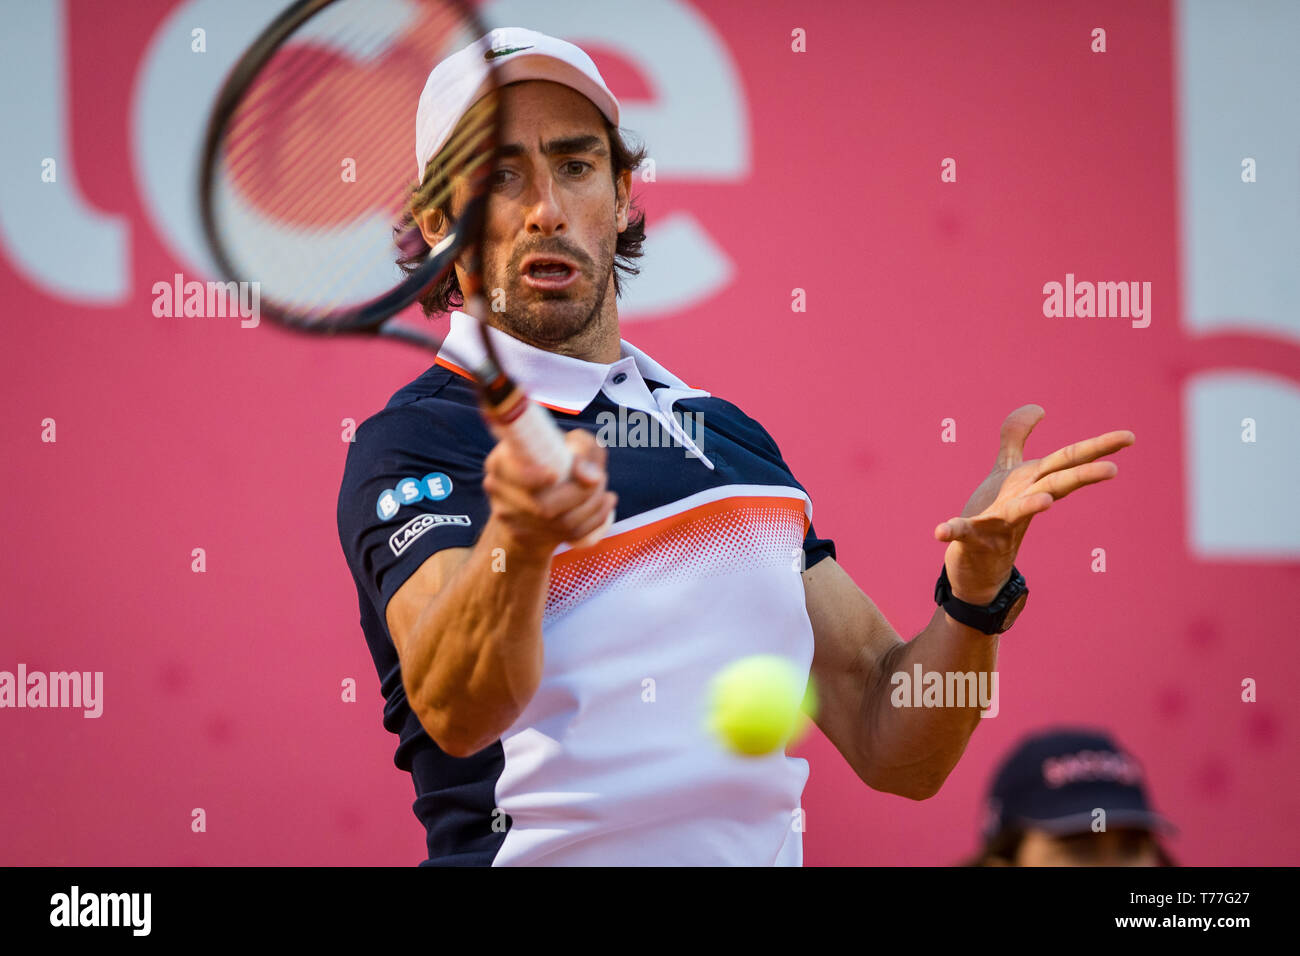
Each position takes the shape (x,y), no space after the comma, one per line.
(1045,805)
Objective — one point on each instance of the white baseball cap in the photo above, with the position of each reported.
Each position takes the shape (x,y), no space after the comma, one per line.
(459,81)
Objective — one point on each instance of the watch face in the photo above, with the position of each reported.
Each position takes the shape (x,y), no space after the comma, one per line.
(1014,612)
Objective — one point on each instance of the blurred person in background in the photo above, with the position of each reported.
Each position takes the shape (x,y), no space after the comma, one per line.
(1071,796)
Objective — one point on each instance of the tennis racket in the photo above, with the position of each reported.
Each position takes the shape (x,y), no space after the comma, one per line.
(306,187)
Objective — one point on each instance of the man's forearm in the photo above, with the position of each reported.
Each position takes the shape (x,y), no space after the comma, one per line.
(911,748)
(475,657)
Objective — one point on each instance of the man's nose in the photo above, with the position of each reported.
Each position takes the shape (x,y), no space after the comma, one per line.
(545,216)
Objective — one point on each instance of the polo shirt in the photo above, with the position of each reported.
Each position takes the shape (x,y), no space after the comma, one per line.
(610,762)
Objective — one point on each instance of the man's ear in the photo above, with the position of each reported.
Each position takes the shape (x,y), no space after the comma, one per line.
(622,198)
(433,225)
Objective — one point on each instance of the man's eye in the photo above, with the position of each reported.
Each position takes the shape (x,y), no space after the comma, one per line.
(576,167)
(499,177)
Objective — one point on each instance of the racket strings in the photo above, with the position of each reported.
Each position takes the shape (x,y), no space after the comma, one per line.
(464,154)
(282,77)
(468,158)
(305,138)
(310,207)
(319,242)
(293,213)
(345,268)
(464,158)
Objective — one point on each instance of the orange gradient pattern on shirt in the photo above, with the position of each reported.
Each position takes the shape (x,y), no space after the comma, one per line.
(708,540)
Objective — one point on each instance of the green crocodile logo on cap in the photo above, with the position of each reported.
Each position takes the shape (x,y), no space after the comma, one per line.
(494,54)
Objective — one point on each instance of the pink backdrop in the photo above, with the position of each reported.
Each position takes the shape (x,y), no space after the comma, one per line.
(924,302)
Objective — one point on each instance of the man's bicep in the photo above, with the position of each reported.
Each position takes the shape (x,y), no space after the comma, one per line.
(413,596)
(851,640)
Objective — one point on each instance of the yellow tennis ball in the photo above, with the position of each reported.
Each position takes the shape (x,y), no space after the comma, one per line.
(757,704)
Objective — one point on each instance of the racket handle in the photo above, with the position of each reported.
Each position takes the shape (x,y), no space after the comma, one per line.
(522,421)
(535,433)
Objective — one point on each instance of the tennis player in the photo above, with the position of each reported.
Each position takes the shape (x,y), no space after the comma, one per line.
(549,699)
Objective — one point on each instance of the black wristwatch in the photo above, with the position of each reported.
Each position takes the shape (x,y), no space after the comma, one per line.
(993,618)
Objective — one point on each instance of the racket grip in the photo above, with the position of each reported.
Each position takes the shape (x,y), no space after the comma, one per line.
(537,436)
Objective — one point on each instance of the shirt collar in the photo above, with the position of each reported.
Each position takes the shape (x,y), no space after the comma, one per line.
(560,382)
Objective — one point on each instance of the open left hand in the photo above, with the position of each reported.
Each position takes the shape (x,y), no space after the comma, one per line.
(986,537)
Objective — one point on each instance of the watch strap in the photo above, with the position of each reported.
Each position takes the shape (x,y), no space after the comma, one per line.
(990,618)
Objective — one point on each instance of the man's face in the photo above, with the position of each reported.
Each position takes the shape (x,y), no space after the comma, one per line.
(1120,846)
(554,215)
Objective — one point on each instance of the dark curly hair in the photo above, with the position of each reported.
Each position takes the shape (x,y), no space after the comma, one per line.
(445,295)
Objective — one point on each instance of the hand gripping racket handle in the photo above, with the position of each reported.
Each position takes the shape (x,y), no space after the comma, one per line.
(525,423)
(534,432)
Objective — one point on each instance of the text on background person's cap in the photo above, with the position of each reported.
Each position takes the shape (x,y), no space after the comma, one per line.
(1056,779)
(459,81)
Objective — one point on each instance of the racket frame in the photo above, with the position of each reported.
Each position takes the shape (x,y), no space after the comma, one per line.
(519,419)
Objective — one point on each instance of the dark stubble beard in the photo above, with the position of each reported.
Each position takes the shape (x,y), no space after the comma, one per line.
(549,319)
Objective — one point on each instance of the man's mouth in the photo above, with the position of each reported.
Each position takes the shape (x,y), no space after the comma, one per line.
(548,274)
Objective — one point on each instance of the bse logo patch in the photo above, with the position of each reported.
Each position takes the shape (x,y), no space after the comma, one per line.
(432,487)
(402,538)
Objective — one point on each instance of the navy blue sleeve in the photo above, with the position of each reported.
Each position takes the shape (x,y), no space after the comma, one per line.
(412,486)
(814,548)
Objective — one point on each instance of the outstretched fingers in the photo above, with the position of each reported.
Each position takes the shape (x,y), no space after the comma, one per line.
(1061,483)
(1082,452)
